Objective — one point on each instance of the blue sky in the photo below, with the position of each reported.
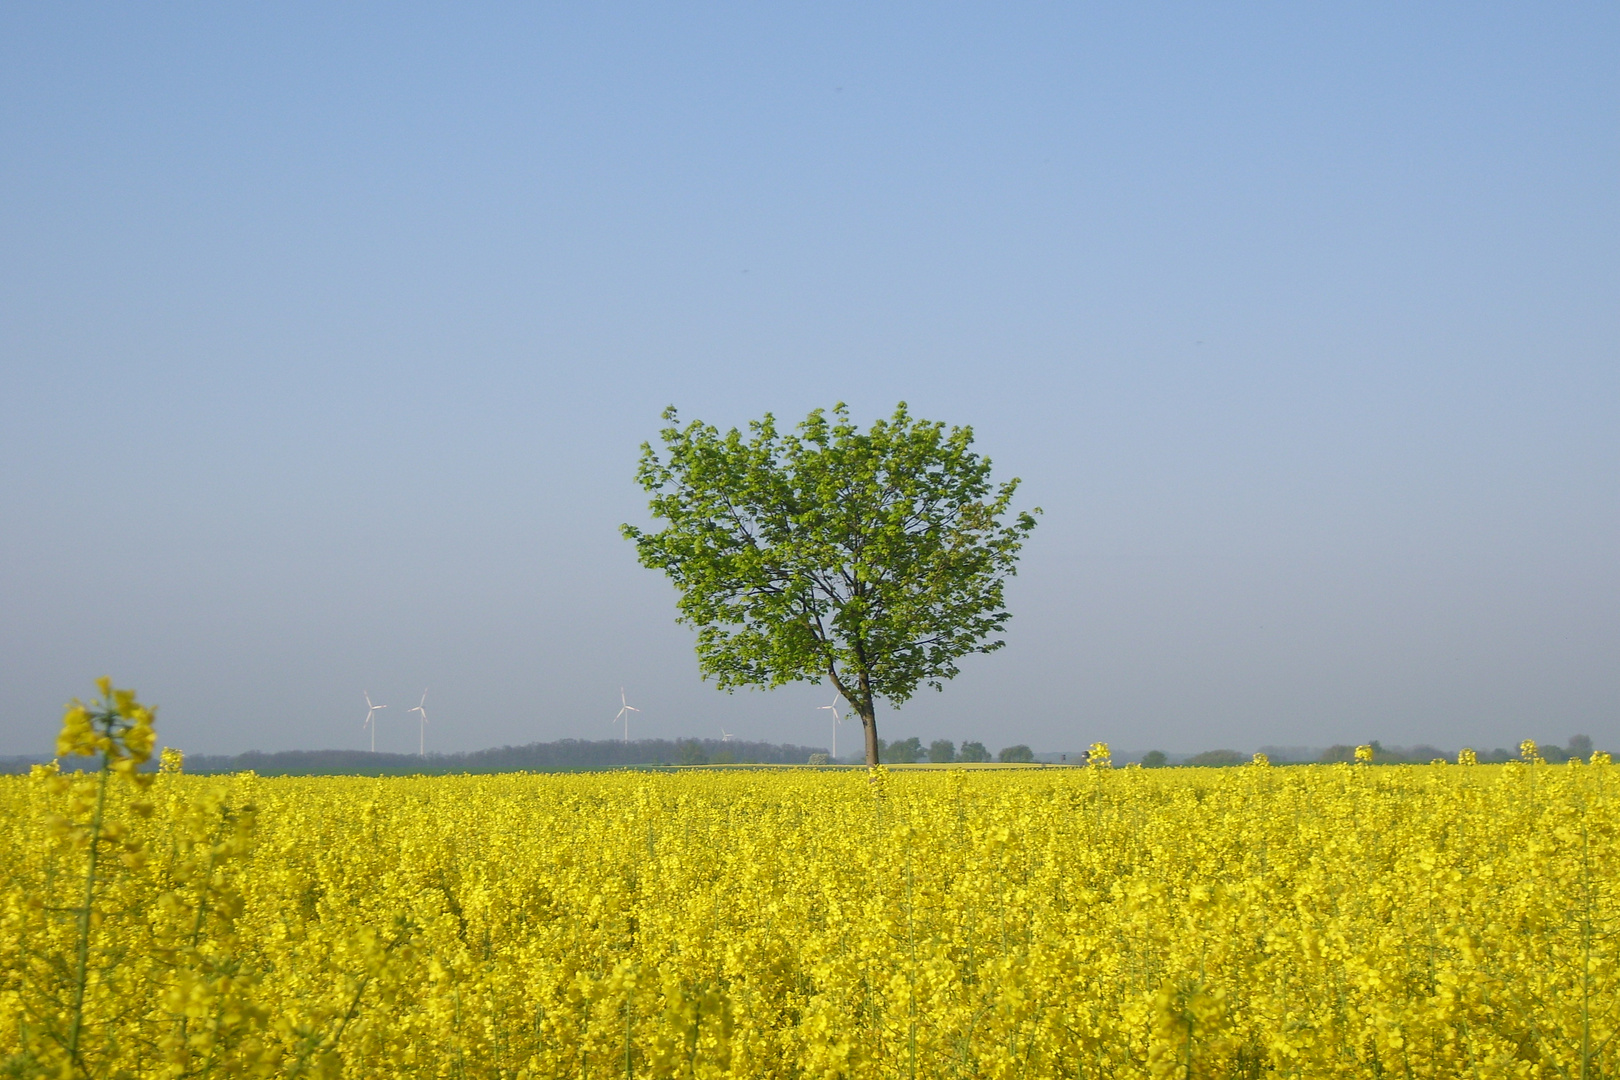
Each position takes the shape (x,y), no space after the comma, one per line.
(328,338)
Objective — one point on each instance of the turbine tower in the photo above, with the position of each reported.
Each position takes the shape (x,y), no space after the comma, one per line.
(371,720)
(421,731)
(838,718)
(625,709)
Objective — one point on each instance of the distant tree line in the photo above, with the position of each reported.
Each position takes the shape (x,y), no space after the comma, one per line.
(578,755)
(566,755)
(945,752)
(1579,746)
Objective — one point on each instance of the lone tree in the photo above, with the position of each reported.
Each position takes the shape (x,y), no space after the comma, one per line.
(872,559)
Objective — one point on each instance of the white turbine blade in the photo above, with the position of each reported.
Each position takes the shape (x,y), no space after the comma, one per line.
(632,708)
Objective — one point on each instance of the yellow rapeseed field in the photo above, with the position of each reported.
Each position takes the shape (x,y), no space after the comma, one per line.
(1321,921)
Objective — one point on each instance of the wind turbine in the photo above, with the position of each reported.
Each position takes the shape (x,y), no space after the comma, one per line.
(624,714)
(371,722)
(838,718)
(725,736)
(421,731)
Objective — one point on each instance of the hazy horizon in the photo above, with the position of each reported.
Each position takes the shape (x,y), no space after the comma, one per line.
(748,752)
(329,337)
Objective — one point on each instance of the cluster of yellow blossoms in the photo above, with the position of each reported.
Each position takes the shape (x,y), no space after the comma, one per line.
(1314,921)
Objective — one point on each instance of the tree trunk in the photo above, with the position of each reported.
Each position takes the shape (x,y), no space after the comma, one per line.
(869,728)
(868,713)
(859,698)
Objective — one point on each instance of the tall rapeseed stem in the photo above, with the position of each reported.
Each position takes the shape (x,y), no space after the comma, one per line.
(117,729)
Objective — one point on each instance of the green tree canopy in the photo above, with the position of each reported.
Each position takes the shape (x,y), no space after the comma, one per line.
(874,559)
(973,751)
(905,752)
